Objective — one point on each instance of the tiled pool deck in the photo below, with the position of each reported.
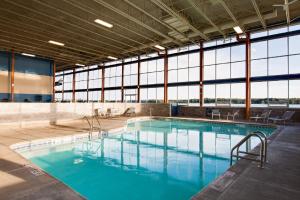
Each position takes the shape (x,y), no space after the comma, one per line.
(279,180)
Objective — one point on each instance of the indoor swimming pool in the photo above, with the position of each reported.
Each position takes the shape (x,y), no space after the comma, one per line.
(151,159)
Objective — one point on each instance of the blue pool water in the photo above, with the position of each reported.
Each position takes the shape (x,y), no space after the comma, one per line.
(155,159)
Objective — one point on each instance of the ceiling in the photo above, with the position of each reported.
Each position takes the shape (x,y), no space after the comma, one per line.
(138,25)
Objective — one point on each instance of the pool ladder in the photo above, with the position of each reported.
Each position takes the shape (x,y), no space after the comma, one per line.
(92,127)
(262,156)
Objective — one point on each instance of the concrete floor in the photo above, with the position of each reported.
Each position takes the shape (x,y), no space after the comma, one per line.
(280,179)
(19,179)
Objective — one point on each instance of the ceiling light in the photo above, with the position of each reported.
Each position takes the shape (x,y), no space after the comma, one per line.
(103,23)
(238,30)
(79,65)
(56,43)
(27,54)
(159,47)
(112,58)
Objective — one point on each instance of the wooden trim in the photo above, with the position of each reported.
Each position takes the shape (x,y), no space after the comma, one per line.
(12,76)
(166,76)
(122,82)
(103,84)
(248,75)
(201,75)
(139,81)
(73,86)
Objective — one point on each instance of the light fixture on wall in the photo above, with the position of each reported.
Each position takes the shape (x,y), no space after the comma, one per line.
(103,23)
(159,47)
(112,58)
(238,30)
(56,43)
(27,54)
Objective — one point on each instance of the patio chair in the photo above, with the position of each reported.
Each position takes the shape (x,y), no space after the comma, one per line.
(264,116)
(215,112)
(287,115)
(233,115)
(100,112)
(112,112)
(130,111)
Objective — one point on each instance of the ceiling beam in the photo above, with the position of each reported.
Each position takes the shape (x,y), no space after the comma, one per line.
(200,12)
(57,9)
(262,21)
(175,14)
(287,11)
(120,12)
(155,19)
(229,12)
(77,27)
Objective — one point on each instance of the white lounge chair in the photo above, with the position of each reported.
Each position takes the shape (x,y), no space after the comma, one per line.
(112,112)
(215,112)
(287,115)
(100,112)
(130,111)
(233,115)
(264,116)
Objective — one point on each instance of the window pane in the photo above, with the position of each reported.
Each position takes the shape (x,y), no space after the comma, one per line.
(278,93)
(294,44)
(183,75)
(160,77)
(294,94)
(278,47)
(259,50)
(172,62)
(144,95)
(238,70)
(223,94)
(152,95)
(194,94)
(294,67)
(259,67)
(238,53)
(278,66)
(223,71)
(209,72)
(172,94)
(172,76)
(144,78)
(259,94)
(183,92)
(183,61)
(160,95)
(194,60)
(194,74)
(238,94)
(223,55)
(209,95)
(209,57)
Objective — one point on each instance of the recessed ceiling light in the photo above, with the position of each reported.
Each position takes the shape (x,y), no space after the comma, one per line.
(27,54)
(159,47)
(103,23)
(56,43)
(79,65)
(238,30)
(112,58)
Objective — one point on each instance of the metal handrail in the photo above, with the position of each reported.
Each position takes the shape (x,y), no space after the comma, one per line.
(263,149)
(92,127)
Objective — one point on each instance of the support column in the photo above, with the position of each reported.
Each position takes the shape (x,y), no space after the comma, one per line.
(201,74)
(87,85)
(166,66)
(102,89)
(248,75)
(12,76)
(73,86)
(122,82)
(139,81)
(53,81)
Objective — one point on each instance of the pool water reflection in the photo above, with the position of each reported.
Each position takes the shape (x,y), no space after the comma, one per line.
(155,159)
